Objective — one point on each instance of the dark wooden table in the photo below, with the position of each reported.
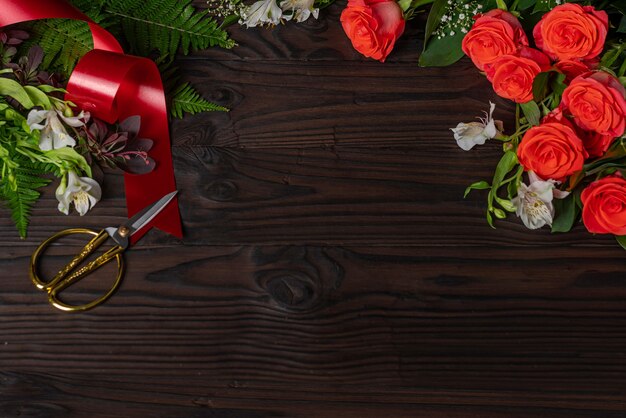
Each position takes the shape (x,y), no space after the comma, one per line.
(330,265)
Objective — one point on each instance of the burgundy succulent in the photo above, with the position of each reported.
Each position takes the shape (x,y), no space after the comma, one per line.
(120,146)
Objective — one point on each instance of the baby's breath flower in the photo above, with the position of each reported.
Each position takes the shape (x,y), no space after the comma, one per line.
(458,17)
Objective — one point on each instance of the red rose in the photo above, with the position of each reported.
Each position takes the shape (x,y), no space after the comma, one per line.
(493,35)
(598,103)
(572,32)
(604,206)
(373,26)
(513,76)
(552,150)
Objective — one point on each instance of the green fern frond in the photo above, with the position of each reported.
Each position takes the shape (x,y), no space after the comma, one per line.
(186,100)
(168,26)
(64,41)
(21,199)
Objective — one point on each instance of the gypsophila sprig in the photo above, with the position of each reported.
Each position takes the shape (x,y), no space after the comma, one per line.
(224,9)
(458,18)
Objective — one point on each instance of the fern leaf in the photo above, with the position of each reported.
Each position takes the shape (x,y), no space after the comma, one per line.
(186,100)
(168,26)
(21,200)
(64,41)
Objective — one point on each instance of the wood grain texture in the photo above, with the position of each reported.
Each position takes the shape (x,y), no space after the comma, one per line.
(330,266)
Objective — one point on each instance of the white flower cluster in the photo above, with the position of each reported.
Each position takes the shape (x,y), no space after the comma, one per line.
(269,13)
(83,192)
(226,8)
(458,18)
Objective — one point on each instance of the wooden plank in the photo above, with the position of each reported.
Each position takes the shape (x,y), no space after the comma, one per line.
(324,197)
(414,331)
(334,104)
(88,395)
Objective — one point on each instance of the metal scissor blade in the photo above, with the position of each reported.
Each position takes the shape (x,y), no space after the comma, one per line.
(144,217)
(120,235)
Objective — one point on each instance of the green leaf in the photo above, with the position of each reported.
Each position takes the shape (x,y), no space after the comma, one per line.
(21,199)
(566,213)
(621,240)
(50,89)
(540,86)
(72,159)
(505,165)
(437,11)
(526,4)
(558,84)
(609,57)
(531,112)
(168,26)
(479,185)
(501,4)
(405,4)
(15,90)
(38,97)
(319,4)
(622,25)
(442,52)
(64,42)
(545,5)
(187,100)
(490,220)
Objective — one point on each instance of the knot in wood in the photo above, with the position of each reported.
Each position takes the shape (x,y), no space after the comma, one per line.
(222,190)
(290,289)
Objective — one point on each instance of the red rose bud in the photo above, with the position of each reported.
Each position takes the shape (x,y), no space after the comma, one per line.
(604,206)
(494,34)
(373,26)
(572,32)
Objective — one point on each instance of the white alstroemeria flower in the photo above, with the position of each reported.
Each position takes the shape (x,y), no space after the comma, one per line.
(84,192)
(534,202)
(263,12)
(53,133)
(301,10)
(468,135)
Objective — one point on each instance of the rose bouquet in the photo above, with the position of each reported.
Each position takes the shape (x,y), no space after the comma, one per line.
(566,159)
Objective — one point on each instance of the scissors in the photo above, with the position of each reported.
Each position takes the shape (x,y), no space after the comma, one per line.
(70,274)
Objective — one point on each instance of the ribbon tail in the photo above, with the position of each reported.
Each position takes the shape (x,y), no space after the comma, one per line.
(114,87)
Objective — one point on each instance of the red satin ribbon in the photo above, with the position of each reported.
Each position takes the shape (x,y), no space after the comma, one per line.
(114,86)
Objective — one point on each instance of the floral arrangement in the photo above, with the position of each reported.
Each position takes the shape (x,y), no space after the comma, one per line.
(43,136)
(566,159)
(563,65)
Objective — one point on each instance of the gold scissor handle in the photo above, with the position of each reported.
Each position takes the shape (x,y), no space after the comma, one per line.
(68,276)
